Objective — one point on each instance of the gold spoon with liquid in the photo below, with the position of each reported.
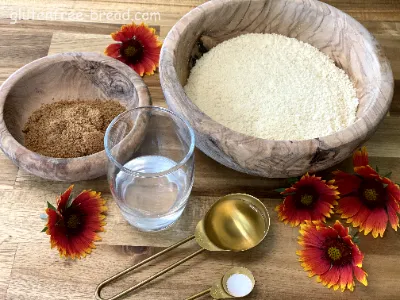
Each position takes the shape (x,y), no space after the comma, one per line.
(222,288)
(235,222)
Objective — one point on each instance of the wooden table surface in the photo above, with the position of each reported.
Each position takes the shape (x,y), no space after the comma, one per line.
(29,269)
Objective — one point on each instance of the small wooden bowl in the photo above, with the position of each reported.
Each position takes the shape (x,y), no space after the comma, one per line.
(69,76)
(330,30)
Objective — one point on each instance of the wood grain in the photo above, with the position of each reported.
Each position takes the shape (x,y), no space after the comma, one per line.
(29,269)
(39,270)
(337,35)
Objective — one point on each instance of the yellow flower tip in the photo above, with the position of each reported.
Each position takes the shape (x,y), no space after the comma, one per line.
(299,252)
(305,266)
(364,281)
(336,287)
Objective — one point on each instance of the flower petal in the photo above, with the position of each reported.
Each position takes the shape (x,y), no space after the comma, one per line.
(315,266)
(342,231)
(360,275)
(346,183)
(394,203)
(289,213)
(331,277)
(126,33)
(328,232)
(392,214)
(376,222)
(113,50)
(349,206)
(359,218)
(360,157)
(63,200)
(310,235)
(321,210)
(393,190)
(366,172)
(358,257)
(346,278)
(138,68)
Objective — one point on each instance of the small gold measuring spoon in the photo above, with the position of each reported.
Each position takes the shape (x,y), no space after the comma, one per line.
(220,289)
(235,222)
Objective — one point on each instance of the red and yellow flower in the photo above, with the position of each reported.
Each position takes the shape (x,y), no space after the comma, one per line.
(74,224)
(309,199)
(369,200)
(330,253)
(137,46)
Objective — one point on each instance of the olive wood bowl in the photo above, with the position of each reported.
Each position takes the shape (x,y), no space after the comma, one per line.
(330,30)
(67,76)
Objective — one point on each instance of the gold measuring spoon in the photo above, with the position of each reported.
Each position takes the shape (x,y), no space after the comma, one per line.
(235,222)
(223,288)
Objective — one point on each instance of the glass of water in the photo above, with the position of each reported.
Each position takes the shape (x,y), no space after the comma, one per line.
(151,165)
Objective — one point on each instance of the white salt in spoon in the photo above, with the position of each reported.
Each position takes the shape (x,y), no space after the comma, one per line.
(236,283)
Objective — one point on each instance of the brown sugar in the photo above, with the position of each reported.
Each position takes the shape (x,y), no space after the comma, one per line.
(68,129)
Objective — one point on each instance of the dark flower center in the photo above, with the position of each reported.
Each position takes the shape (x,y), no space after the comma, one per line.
(132,50)
(305,197)
(334,253)
(338,252)
(370,195)
(73,221)
(373,193)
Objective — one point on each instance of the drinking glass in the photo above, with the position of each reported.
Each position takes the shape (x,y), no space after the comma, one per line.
(151,165)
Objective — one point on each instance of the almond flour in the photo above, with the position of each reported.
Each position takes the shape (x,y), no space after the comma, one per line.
(273,87)
(67,129)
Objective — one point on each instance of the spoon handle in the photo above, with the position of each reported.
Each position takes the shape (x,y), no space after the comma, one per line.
(116,276)
(199,295)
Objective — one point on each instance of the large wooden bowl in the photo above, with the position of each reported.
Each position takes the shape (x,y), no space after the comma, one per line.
(69,76)
(335,33)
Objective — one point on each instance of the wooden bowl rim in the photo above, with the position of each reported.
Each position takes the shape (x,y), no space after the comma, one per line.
(168,77)
(139,85)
